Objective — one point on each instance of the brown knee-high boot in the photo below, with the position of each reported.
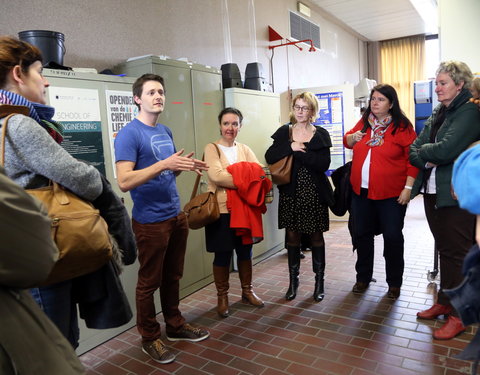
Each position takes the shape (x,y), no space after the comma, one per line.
(245,274)
(221,275)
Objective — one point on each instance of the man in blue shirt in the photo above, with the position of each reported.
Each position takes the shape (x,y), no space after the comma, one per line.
(147,164)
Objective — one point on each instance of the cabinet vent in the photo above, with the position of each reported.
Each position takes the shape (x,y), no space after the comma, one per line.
(301,28)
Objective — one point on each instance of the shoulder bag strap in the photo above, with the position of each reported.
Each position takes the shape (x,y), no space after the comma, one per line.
(7,111)
(4,134)
(197,180)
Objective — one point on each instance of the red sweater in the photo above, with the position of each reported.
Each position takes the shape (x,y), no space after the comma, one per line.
(389,163)
(247,203)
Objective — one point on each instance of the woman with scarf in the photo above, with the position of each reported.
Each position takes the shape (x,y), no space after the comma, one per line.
(33,156)
(452,127)
(382,179)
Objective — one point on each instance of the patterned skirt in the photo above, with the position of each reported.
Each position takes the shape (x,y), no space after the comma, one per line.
(303,212)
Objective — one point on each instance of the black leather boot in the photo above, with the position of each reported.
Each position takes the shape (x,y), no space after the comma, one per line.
(293,253)
(318,265)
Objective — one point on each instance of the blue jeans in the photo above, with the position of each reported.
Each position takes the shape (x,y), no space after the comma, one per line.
(373,216)
(57,302)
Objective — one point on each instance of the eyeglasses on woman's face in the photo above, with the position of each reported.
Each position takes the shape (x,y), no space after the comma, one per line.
(301,109)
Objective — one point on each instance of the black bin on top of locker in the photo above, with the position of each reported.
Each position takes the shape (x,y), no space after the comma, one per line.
(50,43)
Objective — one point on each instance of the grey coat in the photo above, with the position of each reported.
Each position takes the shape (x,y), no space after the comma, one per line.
(32,157)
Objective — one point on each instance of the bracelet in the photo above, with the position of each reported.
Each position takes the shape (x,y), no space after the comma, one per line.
(408,187)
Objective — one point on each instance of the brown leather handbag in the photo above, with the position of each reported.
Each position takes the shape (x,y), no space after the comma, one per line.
(202,209)
(79,231)
(77,228)
(282,170)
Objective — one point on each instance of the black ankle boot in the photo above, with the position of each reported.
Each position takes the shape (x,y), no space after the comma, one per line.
(293,271)
(318,265)
(318,292)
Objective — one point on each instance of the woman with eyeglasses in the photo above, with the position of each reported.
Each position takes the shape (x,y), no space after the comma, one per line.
(303,203)
(382,179)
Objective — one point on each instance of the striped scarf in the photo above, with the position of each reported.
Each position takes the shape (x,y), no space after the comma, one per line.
(378,129)
(41,113)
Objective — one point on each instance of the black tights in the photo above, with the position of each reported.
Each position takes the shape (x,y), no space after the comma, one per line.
(294,239)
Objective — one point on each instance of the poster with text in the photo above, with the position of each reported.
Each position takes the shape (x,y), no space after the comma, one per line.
(78,110)
(330,117)
(121,109)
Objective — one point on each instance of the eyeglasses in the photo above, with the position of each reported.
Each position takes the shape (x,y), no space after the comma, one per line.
(301,109)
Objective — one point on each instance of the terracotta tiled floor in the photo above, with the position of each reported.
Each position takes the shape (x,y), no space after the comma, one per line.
(344,334)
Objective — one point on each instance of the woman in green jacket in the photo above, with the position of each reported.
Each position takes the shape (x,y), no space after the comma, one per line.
(453,126)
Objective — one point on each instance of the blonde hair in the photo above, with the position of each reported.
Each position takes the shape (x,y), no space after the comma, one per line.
(312,101)
(476,85)
(458,72)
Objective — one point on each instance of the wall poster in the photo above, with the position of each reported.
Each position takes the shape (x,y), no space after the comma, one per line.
(121,109)
(330,117)
(78,110)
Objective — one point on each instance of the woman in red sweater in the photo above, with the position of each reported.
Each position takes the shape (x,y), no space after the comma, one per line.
(382,179)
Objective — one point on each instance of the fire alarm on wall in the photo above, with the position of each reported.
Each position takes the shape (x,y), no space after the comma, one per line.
(302,8)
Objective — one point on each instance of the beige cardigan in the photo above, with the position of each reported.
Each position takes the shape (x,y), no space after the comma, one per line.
(218,177)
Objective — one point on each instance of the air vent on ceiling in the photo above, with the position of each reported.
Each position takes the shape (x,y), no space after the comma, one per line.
(301,28)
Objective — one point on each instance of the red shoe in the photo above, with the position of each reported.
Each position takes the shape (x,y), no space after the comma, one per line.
(450,329)
(434,311)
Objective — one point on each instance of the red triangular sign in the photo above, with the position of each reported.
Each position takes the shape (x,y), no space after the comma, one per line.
(273,35)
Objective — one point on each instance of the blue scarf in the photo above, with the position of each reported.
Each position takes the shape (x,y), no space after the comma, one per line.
(41,113)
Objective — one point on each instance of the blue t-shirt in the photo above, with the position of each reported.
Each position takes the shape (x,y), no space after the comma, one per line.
(156,200)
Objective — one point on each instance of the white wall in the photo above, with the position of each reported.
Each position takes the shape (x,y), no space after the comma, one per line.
(210,32)
(459,31)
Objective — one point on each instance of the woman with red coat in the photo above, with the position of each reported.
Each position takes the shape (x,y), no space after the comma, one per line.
(224,158)
(382,179)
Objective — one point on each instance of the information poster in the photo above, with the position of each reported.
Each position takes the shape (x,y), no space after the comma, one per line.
(78,110)
(330,112)
(121,109)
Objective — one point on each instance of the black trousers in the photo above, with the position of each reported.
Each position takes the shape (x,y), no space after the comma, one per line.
(453,229)
(373,216)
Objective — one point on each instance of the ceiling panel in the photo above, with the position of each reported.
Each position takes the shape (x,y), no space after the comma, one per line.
(377,20)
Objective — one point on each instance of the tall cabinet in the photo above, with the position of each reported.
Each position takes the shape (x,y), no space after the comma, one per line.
(261,118)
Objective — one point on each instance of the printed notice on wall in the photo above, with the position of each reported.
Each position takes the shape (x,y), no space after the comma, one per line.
(331,118)
(78,110)
(121,109)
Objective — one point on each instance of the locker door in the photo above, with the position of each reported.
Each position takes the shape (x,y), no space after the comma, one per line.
(178,116)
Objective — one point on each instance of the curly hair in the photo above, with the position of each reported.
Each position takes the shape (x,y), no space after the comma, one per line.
(476,86)
(458,72)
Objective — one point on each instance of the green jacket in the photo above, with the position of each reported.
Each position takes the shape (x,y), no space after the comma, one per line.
(460,128)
